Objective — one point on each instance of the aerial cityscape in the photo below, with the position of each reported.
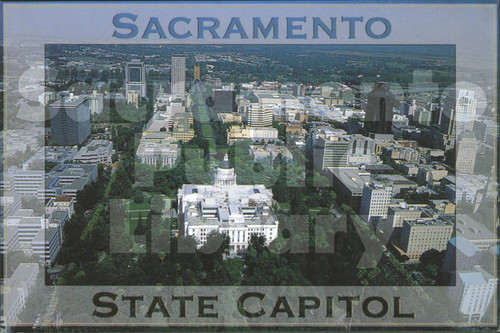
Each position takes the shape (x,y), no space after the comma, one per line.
(250,165)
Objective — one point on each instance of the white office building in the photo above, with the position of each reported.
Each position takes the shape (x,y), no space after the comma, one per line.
(375,201)
(466,109)
(476,289)
(28,182)
(96,102)
(466,153)
(47,244)
(17,289)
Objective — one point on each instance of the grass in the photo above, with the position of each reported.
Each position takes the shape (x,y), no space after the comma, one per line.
(139,206)
(211,144)
(130,226)
(136,215)
(204,118)
(207,131)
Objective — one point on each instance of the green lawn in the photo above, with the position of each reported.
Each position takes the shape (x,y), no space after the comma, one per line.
(130,226)
(207,131)
(139,206)
(136,215)
(211,144)
(204,118)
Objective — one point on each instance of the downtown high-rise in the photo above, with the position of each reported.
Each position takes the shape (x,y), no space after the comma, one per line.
(70,120)
(135,81)
(378,116)
(178,75)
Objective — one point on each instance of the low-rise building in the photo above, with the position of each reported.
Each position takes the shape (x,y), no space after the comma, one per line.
(479,234)
(399,212)
(17,289)
(229,118)
(410,169)
(163,153)
(295,127)
(463,187)
(461,255)
(266,154)
(27,229)
(443,206)
(27,182)
(52,154)
(262,134)
(399,183)
(10,203)
(67,180)
(401,153)
(429,174)
(65,203)
(95,152)
(348,183)
(182,127)
(10,240)
(47,244)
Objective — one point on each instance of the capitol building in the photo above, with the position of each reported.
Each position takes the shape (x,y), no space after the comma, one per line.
(227,208)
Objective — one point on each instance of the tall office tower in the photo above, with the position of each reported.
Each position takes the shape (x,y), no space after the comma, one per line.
(459,112)
(70,120)
(466,110)
(378,116)
(435,107)
(197,75)
(96,102)
(178,75)
(408,107)
(331,152)
(375,201)
(260,117)
(135,78)
(225,100)
(466,152)
(299,90)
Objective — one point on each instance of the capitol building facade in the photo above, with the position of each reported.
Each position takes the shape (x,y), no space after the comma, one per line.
(237,211)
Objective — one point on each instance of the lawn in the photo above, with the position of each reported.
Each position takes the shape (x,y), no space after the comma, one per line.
(130,227)
(204,118)
(139,206)
(136,215)
(211,144)
(207,131)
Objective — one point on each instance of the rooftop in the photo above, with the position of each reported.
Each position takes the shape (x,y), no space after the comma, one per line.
(471,229)
(70,101)
(465,246)
(422,222)
(352,178)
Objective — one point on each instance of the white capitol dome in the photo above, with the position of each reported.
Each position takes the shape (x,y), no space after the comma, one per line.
(225,175)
